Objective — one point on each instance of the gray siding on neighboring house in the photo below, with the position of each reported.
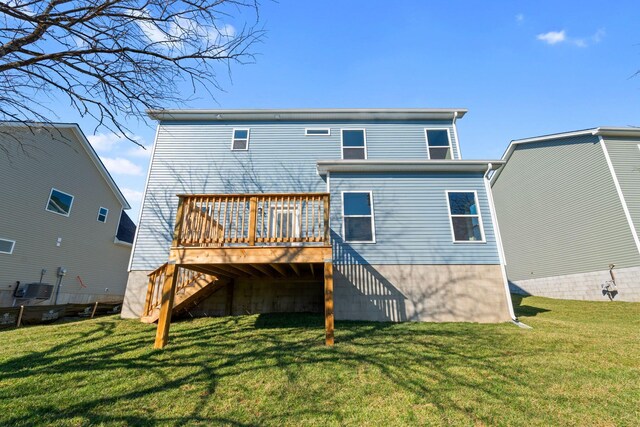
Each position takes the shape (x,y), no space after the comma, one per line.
(195,157)
(559,212)
(625,158)
(412,223)
(87,249)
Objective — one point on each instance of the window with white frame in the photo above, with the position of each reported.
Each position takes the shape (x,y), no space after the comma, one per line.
(438,144)
(464,215)
(102,214)
(59,202)
(6,246)
(317,131)
(354,144)
(240,139)
(357,217)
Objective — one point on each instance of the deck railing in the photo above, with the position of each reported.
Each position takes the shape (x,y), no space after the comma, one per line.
(212,220)
(156,281)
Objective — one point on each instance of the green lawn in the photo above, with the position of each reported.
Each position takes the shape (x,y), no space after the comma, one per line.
(580,365)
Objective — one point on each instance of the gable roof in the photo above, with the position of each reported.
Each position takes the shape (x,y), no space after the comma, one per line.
(303,114)
(84,142)
(602,131)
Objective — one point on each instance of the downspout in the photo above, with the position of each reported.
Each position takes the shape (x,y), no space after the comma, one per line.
(455,133)
(496,230)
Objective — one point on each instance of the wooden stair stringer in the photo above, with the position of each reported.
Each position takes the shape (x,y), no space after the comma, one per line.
(199,289)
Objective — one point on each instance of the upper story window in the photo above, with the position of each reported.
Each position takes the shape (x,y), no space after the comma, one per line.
(438,144)
(6,246)
(102,214)
(240,139)
(464,215)
(59,202)
(354,144)
(317,131)
(357,217)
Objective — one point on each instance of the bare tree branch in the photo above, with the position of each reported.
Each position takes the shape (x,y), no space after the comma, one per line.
(113,59)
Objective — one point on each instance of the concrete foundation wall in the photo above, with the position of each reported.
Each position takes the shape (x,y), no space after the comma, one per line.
(582,286)
(135,294)
(433,293)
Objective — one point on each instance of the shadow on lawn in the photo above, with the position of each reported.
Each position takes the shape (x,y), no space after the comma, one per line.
(525,310)
(425,360)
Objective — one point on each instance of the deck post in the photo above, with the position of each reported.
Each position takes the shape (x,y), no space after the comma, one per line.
(166,307)
(253,211)
(328,302)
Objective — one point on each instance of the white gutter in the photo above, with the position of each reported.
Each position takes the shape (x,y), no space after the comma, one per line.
(496,231)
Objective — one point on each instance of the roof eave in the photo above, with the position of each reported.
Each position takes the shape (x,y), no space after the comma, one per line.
(324,166)
(309,114)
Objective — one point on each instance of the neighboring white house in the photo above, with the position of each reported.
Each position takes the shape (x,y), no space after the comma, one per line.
(62,219)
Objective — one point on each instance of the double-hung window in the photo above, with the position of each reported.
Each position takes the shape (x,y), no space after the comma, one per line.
(464,215)
(357,217)
(240,139)
(59,202)
(354,144)
(102,214)
(438,144)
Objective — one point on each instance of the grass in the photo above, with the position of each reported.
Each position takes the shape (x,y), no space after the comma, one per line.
(580,365)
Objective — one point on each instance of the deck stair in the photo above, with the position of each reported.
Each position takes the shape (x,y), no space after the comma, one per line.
(192,287)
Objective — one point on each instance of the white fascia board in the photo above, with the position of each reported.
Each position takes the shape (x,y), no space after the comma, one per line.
(311,114)
(610,131)
(325,166)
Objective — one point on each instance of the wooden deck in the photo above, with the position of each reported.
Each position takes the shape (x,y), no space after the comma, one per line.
(218,238)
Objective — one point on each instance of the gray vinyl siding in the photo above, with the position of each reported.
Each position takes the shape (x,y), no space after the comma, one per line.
(87,249)
(196,157)
(559,212)
(412,223)
(625,158)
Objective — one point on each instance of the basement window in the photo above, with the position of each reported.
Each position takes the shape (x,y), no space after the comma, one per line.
(438,144)
(6,246)
(102,214)
(354,144)
(240,140)
(59,202)
(464,217)
(357,217)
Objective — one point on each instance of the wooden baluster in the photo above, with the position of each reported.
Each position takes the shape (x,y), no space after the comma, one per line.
(225,230)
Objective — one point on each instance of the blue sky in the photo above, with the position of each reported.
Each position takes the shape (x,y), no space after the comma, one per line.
(522,68)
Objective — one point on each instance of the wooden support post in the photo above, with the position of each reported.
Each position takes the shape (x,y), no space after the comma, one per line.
(253,212)
(20,316)
(228,309)
(166,307)
(95,307)
(327,234)
(328,302)
(147,300)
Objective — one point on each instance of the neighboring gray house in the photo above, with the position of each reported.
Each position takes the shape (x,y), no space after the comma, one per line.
(61,212)
(568,205)
(410,233)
